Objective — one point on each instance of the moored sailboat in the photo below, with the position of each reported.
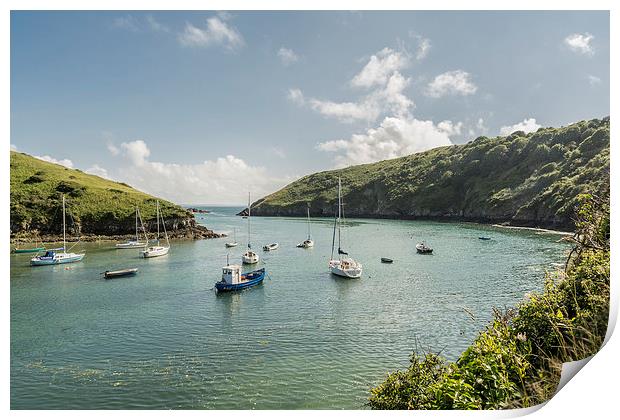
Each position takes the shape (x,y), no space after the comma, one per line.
(234,242)
(131,243)
(157,250)
(249,256)
(308,243)
(343,266)
(53,256)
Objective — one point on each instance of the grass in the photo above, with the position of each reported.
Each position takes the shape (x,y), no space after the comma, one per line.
(96,204)
(528,179)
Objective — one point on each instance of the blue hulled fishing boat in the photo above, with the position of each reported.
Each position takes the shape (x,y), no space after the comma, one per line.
(233,279)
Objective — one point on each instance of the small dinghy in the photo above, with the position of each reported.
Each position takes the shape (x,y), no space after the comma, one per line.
(387,260)
(28,250)
(484,238)
(233,280)
(120,273)
(271,247)
(422,248)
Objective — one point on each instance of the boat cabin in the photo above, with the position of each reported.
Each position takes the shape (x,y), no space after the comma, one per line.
(231,274)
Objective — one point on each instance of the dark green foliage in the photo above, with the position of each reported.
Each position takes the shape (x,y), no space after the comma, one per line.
(527,179)
(516,361)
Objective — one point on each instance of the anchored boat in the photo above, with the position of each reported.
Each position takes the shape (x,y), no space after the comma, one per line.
(343,266)
(120,273)
(233,279)
(249,256)
(422,248)
(234,242)
(271,247)
(308,243)
(53,256)
(134,244)
(157,250)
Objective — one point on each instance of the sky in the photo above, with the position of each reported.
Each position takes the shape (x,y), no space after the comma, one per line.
(202,107)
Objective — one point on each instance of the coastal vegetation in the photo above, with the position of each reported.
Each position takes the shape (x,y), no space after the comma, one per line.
(516,361)
(97,206)
(522,179)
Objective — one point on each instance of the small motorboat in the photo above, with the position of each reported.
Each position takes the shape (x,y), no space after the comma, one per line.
(120,273)
(233,280)
(28,250)
(484,238)
(387,260)
(271,247)
(308,243)
(422,248)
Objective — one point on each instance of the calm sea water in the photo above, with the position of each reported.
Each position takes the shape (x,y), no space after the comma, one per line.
(304,339)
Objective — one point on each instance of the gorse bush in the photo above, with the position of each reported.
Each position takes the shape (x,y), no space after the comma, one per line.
(516,361)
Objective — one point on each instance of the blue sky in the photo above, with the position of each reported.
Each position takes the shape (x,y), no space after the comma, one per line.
(200,107)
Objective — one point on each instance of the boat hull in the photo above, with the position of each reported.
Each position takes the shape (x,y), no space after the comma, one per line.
(254,278)
(271,247)
(58,259)
(306,244)
(250,259)
(231,244)
(27,251)
(350,273)
(156,251)
(120,273)
(130,245)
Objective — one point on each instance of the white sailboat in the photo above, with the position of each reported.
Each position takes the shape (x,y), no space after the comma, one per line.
(343,266)
(308,243)
(157,250)
(249,256)
(234,242)
(133,244)
(52,256)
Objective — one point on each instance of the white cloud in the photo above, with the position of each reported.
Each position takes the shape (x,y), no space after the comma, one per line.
(450,128)
(13,147)
(347,111)
(98,170)
(457,82)
(225,180)
(63,162)
(296,96)
(393,138)
(217,32)
(287,56)
(278,152)
(528,125)
(379,68)
(424,46)
(112,148)
(155,25)
(127,22)
(580,43)
(593,80)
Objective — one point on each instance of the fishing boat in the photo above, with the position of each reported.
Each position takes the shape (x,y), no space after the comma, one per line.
(133,244)
(157,250)
(233,279)
(58,255)
(234,242)
(343,266)
(249,256)
(120,273)
(422,248)
(308,243)
(387,260)
(271,247)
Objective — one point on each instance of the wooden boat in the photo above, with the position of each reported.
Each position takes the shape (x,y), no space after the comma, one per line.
(249,256)
(133,243)
(387,260)
(120,273)
(28,250)
(233,280)
(53,256)
(271,247)
(484,238)
(422,248)
(308,243)
(343,266)
(157,250)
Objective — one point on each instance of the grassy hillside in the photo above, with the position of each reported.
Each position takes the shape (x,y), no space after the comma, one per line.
(97,205)
(527,179)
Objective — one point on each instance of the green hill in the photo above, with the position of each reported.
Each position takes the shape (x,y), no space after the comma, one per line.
(524,179)
(98,206)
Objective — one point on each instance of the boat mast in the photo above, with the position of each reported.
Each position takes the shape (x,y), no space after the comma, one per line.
(249,212)
(339,214)
(308,221)
(163,223)
(137,239)
(64,237)
(157,216)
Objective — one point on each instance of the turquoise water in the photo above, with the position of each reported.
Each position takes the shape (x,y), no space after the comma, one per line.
(304,339)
